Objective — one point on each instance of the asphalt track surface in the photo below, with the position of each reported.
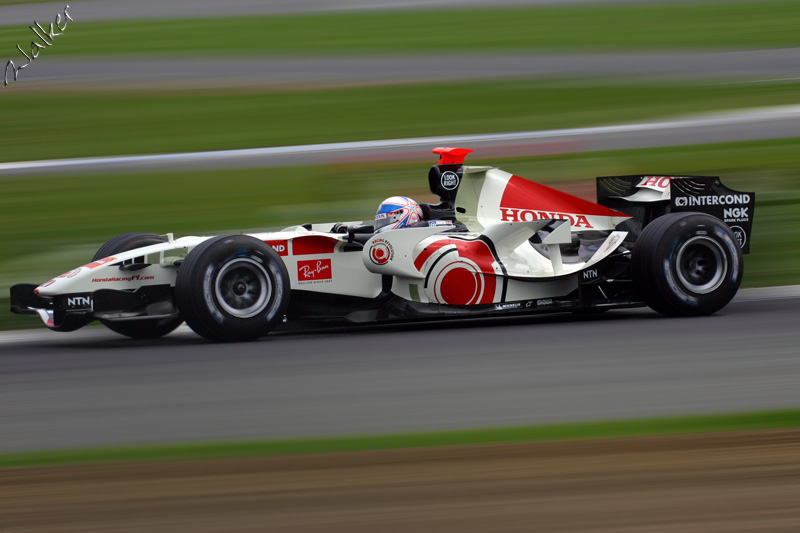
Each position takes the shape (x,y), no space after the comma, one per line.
(92,388)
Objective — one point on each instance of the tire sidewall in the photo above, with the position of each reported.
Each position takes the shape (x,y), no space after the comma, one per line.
(197,288)
(671,237)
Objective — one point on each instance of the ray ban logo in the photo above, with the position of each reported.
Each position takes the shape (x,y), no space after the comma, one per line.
(36,47)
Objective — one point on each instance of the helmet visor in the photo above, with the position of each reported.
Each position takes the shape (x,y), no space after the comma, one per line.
(385,219)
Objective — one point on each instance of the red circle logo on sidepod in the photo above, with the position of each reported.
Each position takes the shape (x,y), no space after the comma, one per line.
(380,253)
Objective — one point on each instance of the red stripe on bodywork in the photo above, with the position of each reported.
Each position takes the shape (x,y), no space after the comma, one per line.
(100,262)
(462,285)
(523,194)
(429,251)
(476,250)
(313,244)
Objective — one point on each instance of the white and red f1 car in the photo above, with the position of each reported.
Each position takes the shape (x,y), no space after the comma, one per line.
(495,244)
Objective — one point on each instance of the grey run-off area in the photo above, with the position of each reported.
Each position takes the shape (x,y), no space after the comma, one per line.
(748,66)
(94,10)
(92,388)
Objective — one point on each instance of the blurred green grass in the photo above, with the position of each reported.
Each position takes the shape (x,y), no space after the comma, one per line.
(670,25)
(751,421)
(50,224)
(59,124)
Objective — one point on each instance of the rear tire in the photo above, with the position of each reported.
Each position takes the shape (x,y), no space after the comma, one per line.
(139,328)
(686,264)
(232,288)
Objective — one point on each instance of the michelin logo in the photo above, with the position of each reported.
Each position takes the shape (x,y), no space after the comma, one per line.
(505,307)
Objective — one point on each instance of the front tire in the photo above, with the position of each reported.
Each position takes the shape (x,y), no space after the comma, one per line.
(232,288)
(140,328)
(686,264)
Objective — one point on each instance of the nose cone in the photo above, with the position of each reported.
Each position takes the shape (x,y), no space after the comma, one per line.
(43,286)
(61,284)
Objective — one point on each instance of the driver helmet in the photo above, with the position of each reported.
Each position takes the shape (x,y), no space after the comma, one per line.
(397,212)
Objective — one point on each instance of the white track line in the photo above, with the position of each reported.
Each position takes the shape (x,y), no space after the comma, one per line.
(768,293)
(717,119)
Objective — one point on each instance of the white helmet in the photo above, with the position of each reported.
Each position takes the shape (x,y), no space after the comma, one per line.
(397,212)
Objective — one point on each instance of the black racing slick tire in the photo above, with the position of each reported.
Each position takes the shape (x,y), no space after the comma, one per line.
(232,288)
(139,328)
(686,264)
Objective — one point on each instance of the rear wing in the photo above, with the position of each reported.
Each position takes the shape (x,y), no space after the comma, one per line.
(646,197)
